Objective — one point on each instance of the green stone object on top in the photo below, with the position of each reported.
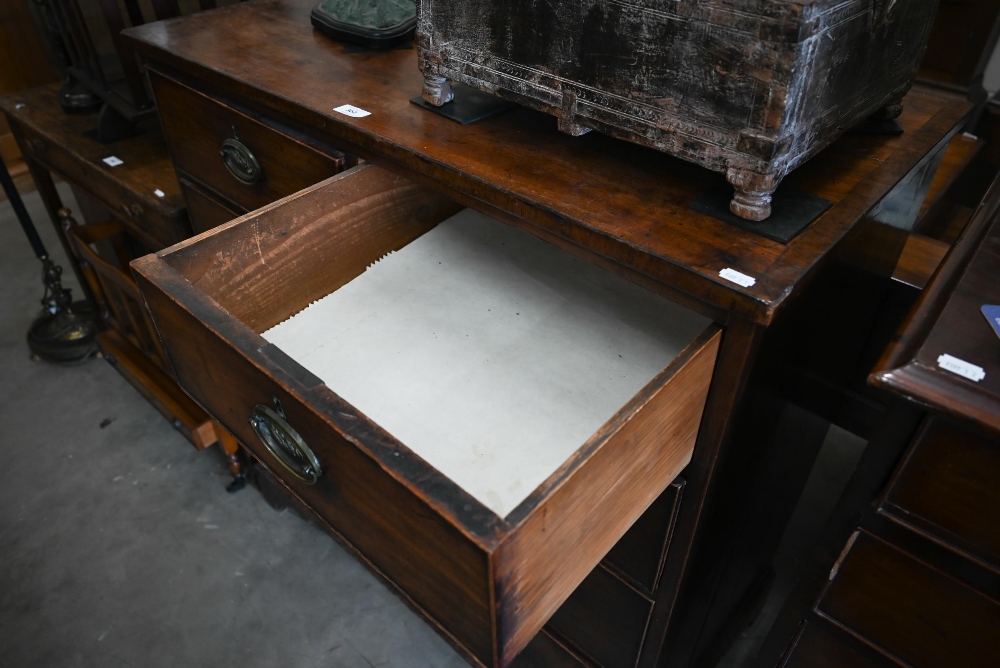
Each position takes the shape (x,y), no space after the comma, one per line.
(371,14)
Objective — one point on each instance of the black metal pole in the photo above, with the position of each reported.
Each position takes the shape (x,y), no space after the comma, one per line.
(65,332)
(22,213)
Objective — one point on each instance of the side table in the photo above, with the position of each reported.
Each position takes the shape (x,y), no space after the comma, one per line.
(135,181)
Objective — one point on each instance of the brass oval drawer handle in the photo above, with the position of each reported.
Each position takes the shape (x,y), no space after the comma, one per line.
(240,162)
(285,444)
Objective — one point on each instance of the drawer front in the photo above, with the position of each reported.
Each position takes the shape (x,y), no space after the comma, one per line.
(816,647)
(204,210)
(206,135)
(605,619)
(948,488)
(489,583)
(640,553)
(546,652)
(155,229)
(909,610)
(438,569)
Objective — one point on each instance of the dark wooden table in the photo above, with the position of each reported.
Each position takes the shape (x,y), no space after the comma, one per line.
(797,341)
(142,198)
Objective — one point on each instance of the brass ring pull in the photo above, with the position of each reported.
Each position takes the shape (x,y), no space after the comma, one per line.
(285,444)
(240,162)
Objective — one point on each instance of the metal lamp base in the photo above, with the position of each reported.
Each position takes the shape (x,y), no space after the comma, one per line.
(68,336)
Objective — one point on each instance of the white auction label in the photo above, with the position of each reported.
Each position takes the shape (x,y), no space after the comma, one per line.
(352,111)
(962,368)
(737,278)
(159,193)
(113,161)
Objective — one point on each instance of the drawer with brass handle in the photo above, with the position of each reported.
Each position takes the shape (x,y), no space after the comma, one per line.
(480,415)
(243,158)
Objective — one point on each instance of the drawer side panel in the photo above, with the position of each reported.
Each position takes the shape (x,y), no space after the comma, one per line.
(599,494)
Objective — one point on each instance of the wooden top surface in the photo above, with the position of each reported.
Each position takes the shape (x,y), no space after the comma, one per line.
(146,161)
(622,201)
(948,321)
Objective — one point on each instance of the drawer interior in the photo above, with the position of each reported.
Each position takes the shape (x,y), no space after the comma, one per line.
(491,414)
(491,354)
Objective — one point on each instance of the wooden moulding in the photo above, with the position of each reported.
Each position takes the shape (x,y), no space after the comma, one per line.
(946,319)
(488,583)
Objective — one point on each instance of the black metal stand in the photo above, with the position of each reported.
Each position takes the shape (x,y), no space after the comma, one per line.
(791,211)
(65,332)
(75,98)
(470,105)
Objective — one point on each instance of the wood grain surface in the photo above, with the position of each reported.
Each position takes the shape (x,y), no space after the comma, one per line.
(745,89)
(623,202)
(948,320)
(57,140)
(196,126)
(489,583)
(946,487)
(909,611)
(604,488)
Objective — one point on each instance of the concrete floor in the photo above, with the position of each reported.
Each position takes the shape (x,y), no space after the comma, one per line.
(120,547)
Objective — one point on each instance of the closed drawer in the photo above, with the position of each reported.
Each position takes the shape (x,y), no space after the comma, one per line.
(156,221)
(605,620)
(241,157)
(546,652)
(639,555)
(908,610)
(480,502)
(947,487)
(204,210)
(816,646)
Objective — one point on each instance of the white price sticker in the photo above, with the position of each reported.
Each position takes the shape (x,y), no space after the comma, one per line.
(961,367)
(113,161)
(352,111)
(737,278)
(159,193)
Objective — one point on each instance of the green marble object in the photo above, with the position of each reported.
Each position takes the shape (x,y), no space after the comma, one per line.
(370,14)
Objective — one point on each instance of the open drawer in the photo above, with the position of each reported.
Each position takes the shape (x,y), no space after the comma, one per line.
(480,415)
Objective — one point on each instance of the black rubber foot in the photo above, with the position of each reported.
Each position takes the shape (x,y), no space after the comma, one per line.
(238,483)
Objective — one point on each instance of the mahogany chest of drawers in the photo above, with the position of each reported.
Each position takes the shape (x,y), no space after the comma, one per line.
(517,585)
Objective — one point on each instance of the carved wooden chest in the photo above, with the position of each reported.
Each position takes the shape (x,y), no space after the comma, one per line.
(750,88)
